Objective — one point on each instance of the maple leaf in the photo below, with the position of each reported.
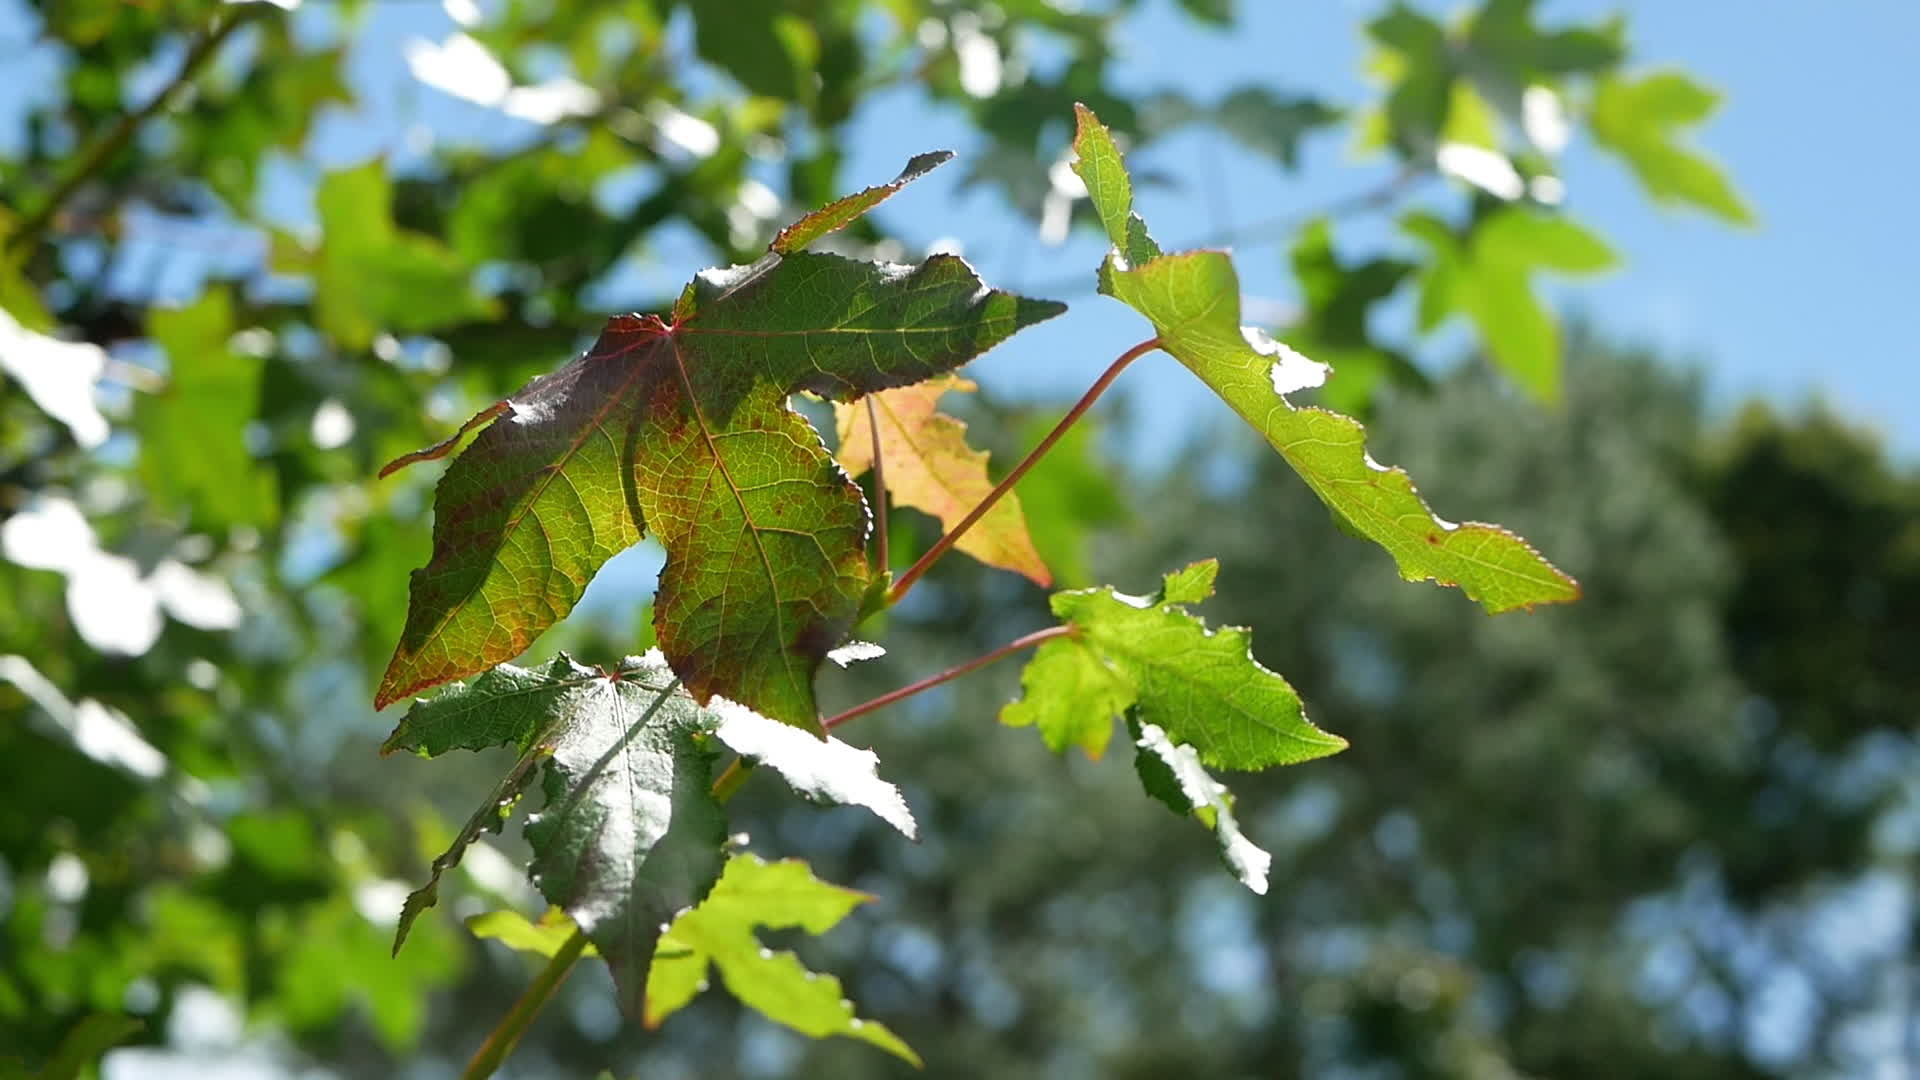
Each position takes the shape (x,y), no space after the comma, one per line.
(681,427)
(570,713)
(720,934)
(930,467)
(1148,658)
(1193,300)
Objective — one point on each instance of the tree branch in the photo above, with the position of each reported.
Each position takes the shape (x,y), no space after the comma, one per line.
(102,152)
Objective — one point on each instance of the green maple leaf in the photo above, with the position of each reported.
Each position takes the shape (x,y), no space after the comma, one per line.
(631,833)
(681,426)
(720,934)
(1193,301)
(1148,658)
(1489,276)
(1639,120)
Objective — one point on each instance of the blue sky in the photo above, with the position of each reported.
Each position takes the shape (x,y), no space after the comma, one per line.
(1809,303)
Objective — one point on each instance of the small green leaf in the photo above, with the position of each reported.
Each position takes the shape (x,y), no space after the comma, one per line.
(720,932)
(1641,121)
(544,938)
(1203,687)
(1173,774)
(1193,301)
(1489,278)
(370,276)
(1071,695)
(1190,584)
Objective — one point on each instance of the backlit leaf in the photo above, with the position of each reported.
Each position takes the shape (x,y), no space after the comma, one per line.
(844,211)
(1193,301)
(721,934)
(930,467)
(1149,657)
(1641,121)
(192,454)
(681,426)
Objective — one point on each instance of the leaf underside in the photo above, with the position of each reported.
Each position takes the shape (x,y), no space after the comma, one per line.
(1193,301)
(682,427)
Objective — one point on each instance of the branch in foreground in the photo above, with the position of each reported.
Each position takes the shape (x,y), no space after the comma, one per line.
(501,1040)
(1080,407)
(931,681)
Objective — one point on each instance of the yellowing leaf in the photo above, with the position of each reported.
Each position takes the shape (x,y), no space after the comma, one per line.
(930,467)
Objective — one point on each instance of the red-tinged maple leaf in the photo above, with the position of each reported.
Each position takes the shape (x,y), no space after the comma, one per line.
(681,427)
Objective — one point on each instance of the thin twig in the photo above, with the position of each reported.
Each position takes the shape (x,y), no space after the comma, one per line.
(103,150)
(953,535)
(879,488)
(931,681)
(500,1041)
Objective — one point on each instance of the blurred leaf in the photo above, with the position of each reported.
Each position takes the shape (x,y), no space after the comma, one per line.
(324,967)
(1416,58)
(930,467)
(370,276)
(685,426)
(193,455)
(720,932)
(1149,657)
(1173,774)
(1193,301)
(1490,279)
(89,1040)
(769,52)
(1641,121)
